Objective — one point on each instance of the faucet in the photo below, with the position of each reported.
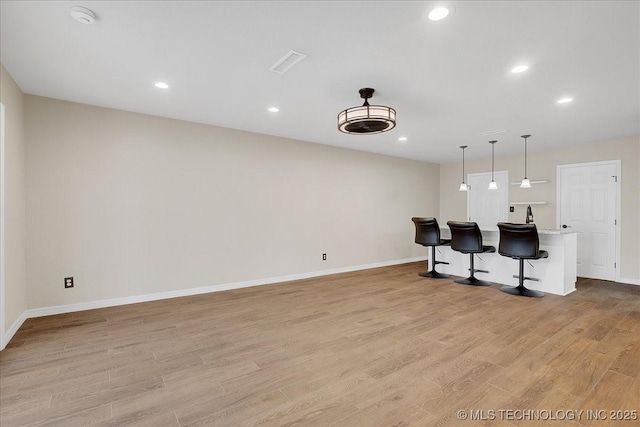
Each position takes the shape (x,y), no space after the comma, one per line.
(529,215)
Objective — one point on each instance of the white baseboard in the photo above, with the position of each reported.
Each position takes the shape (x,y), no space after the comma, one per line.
(12,330)
(91,305)
(629,281)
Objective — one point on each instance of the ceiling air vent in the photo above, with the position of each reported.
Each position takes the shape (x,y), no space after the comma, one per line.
(492,132)
(287,62)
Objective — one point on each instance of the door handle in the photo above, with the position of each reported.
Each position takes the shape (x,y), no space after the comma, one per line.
(566,226)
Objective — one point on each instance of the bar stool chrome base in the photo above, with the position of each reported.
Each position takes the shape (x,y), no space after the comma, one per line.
(433,274)
(522,291)
(473,281)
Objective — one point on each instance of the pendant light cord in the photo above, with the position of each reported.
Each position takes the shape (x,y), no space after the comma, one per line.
(463,186)
(492,159)
(525,158)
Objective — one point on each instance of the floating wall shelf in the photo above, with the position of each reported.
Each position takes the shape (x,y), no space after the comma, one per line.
(527,203)
(540,181)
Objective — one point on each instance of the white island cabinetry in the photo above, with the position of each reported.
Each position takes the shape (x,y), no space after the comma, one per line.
(556,274)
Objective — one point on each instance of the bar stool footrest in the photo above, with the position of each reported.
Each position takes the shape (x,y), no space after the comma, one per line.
(533,279)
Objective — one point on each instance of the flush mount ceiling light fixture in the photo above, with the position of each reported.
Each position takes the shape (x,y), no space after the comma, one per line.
(83,15)
(368,118)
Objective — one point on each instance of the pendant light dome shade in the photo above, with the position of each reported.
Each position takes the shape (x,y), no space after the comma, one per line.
(367,119)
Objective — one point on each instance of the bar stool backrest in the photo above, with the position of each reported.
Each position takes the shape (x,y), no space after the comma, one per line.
(427,231)
(465,236)
(519,240)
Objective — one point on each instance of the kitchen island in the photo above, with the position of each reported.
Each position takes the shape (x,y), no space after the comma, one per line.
(557,274)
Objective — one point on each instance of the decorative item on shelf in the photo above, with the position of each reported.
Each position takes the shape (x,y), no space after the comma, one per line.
(463,186)
(529,218)
(368,118)
(525,181)
(492,184)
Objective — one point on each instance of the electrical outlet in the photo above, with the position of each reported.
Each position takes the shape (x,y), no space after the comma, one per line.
(512,208)
(324,257)
(68,282)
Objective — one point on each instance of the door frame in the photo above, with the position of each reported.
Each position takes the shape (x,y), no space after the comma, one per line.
(2,229)
(618,165)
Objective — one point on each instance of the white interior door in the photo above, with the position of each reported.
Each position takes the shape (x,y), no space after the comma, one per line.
(484,206)
(588,205)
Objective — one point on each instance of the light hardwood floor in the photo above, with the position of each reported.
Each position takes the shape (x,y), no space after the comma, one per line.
(381,347)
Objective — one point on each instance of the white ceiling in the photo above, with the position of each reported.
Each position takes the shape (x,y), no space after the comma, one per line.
(448,80)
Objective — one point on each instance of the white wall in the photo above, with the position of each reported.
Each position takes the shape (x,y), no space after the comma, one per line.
(131,204)
(542,165)
(15,291)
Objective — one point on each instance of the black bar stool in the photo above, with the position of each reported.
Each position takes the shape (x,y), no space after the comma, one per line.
(467,239)
(428,234)
(520,241)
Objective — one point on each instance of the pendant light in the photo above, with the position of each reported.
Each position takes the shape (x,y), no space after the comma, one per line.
(463,186)
(492,184)
(525,181)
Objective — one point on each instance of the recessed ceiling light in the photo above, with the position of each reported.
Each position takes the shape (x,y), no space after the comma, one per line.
(438,13)
(274,109)
(161,85)
(564,100)
(402,138)
(520,69)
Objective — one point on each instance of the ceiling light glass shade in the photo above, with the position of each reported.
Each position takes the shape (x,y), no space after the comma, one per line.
(519,69)
(367,118)
(525,183)
(493,185)
(463,187)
